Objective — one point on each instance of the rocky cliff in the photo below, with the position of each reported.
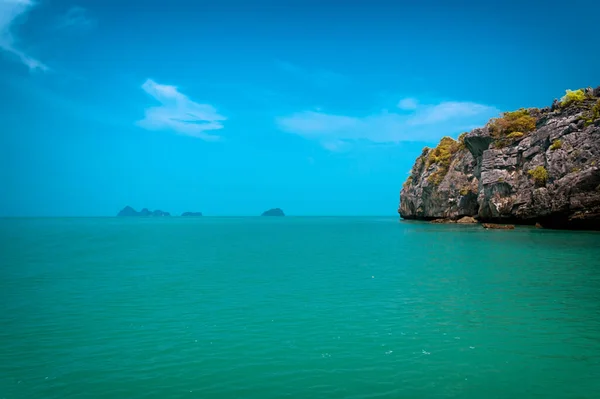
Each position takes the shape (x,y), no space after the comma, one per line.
(528,166)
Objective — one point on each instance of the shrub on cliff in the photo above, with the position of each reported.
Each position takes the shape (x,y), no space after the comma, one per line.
(511,126)
(592,115)
(539,175)
(511,122)
(441,156)
(556,144)
(443,152)
(572,97)
(464,190)
(515,135)
(461,140)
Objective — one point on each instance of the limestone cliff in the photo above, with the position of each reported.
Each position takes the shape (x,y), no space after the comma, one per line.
(527,166)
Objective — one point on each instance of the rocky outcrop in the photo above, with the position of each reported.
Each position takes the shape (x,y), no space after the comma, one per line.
(130,212)
(273,212)
(191,214)
(453,197)
(494,226)
(526,167)
(466,220)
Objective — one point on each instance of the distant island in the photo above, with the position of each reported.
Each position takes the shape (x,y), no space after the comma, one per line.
(191,214)
(129,212)
(273,212)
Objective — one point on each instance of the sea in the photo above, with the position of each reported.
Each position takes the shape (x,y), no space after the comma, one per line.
(296,307)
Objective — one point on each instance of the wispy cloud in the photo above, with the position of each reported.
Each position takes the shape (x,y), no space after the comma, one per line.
(424,122)
(10,11)
(180,114)
(318,77)
(76,18)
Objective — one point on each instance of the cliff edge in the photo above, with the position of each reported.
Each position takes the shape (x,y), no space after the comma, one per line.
(528,166)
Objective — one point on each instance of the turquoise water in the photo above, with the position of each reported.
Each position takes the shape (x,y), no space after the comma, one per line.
(296,308)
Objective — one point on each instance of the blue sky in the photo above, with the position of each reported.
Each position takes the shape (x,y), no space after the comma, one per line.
(233,107)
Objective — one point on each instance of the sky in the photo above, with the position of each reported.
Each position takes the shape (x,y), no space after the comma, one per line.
(233,107)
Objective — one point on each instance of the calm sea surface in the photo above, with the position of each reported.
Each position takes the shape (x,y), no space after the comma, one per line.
(296,308)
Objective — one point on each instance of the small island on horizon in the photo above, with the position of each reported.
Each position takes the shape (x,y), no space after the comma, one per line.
(191,214)
(273,212)
(145,212)
(130,212)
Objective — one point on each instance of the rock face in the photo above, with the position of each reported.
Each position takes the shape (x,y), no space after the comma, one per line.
(191,214)
(129,211)
(526,167)
(273,212)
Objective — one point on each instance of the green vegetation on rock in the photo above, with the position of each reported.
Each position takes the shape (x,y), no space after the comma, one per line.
(443,152)
(515,135)
(465,190)
(510,122)
(592,115)
(461,140)
(511,126)
(539,175)
(441,156)
(572,97)
(556,145)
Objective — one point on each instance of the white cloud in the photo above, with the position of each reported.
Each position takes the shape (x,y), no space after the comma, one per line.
(179,113)
(453,111)
(424,123)
(10,10)
(76,18)
(408,104)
